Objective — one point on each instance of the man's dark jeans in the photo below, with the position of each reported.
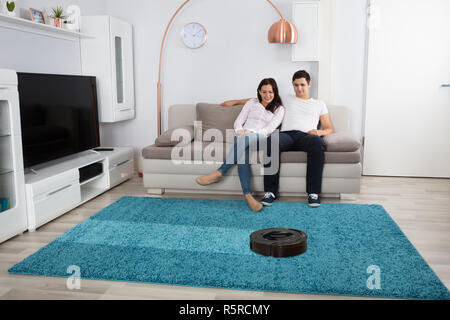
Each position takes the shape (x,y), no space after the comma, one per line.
(298,141)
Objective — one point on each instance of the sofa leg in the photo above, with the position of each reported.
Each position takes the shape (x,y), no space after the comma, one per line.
(156,191)
(347,196)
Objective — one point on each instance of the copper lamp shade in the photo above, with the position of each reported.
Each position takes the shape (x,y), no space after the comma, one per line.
(283,31)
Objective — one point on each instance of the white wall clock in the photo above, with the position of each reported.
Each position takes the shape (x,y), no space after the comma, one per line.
(194,35)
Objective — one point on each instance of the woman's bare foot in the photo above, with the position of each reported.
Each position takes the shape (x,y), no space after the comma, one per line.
(209,178)
(252,203)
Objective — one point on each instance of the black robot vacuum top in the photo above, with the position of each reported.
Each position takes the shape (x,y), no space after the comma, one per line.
(278,242)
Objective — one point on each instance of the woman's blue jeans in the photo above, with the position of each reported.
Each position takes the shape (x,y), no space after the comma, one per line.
(240,155)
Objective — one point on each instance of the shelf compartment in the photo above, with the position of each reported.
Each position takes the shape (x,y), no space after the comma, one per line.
(92,179)
(7,186)
(5,126)
(4,171)
(88,193)
(6,154)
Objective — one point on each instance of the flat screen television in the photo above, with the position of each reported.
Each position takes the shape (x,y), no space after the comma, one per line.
(58,115)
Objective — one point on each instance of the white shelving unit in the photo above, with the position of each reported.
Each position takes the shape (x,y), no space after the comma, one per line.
(40,28)
(13,217)
(109,57)
(54,187)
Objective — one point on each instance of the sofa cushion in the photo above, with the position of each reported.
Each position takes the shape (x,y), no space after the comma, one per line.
(341,142)
(330,157)
(198,150)
(207,151)
(184,136)
(214,116)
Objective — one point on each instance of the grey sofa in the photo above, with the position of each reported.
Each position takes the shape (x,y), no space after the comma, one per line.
(341,175)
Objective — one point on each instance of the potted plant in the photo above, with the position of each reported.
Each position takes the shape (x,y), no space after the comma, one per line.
(58,16)
(10,6)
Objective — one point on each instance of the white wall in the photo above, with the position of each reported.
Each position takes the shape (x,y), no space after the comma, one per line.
(25,52)
(349,59)
(235,58)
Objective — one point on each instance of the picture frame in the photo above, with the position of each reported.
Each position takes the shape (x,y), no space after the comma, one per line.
(37,16)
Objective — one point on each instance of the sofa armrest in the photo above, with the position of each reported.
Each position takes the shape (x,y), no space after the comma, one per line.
(177,136)
(341,142)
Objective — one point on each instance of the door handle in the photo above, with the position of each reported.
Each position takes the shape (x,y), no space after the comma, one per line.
(59,190)
(445,85)
(121,163)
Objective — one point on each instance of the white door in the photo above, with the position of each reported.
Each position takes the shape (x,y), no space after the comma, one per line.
(407,122)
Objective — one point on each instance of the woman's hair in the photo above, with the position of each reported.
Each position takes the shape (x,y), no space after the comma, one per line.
(276,102)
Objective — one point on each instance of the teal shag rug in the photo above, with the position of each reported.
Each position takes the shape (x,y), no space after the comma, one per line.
(355,250)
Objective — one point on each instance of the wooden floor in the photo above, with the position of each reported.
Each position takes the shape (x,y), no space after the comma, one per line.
(421,207)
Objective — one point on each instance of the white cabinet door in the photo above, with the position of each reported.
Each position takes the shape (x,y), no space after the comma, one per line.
(108,55)
(122,64)
(407,117)
(13,218)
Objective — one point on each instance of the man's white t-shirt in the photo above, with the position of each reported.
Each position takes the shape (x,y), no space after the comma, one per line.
(300,114)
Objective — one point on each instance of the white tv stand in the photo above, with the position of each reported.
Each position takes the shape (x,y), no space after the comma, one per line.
(54,188)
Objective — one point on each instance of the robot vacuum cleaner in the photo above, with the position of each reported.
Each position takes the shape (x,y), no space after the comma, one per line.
(278,242)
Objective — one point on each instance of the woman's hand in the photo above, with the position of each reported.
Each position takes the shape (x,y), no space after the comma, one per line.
(240,133)
(314,132)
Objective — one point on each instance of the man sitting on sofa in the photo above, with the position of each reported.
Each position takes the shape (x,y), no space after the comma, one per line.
(299,133)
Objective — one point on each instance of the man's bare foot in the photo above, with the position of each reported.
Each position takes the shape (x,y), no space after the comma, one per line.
(209,178)
(252,203)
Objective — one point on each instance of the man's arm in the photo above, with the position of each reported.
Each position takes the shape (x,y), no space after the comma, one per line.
(230,103)
(327,128)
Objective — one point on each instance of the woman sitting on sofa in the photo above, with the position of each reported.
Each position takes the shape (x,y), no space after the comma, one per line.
(258,119)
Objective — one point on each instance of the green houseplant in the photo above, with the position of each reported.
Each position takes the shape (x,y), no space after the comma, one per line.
(58,16)
(10,6)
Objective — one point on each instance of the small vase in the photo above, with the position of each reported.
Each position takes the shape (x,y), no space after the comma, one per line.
(58,22)
(11,13)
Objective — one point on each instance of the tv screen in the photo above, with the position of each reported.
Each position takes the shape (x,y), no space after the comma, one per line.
(58,115)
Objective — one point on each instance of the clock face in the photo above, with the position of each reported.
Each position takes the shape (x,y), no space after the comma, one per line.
(193,35)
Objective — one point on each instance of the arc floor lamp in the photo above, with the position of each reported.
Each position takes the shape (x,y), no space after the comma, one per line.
(282,31)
